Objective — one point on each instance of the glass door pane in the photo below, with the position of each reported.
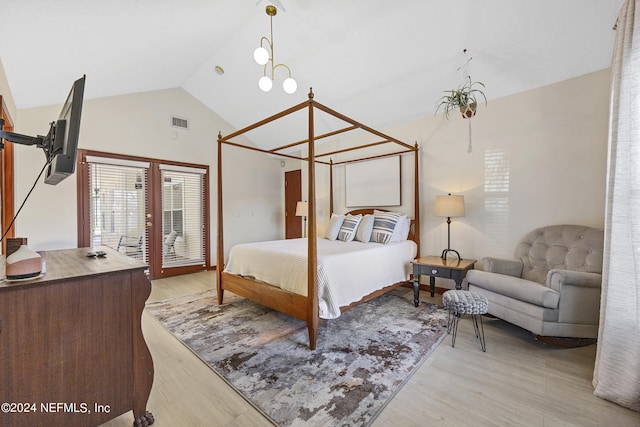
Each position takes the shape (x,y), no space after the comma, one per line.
(117,211)
(182,217)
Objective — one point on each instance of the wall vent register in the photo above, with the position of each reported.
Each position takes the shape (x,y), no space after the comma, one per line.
(179,122)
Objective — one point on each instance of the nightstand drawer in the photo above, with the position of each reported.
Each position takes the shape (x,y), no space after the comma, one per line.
(431,270)
(438,272)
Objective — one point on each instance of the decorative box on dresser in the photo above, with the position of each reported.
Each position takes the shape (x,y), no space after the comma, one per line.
(72,351)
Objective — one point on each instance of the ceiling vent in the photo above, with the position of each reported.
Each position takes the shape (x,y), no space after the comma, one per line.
(179,122)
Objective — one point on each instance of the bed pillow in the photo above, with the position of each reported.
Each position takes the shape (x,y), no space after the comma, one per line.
(331,233)
(401,232)
(402,228)
(363,233)
(348,229)
(383,226)
(406,230)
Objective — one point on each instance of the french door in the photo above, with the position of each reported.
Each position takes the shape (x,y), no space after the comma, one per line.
(152,210)
(183,216)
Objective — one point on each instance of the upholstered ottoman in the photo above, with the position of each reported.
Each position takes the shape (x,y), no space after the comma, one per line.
(459,303)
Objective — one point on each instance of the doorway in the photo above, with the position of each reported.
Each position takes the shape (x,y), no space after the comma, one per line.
(6,179)
(152,210)
(292,195)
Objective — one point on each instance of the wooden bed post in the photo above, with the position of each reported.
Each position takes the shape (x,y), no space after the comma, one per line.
(330,187)
(416,199)
(312,266)
(220,248)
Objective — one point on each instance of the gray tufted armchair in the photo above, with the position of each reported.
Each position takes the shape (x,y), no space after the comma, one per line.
(552,287)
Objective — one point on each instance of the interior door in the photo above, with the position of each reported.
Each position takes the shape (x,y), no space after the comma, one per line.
(292,195)
(6,178)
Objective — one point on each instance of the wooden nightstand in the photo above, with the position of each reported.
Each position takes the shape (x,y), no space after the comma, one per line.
(434,266)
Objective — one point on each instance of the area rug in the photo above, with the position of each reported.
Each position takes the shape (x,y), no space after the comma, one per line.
(361,361)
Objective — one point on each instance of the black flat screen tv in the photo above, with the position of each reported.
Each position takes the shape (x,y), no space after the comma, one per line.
(60,146)
(63,144)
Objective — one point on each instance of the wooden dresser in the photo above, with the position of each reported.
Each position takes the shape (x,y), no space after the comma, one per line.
(71,346)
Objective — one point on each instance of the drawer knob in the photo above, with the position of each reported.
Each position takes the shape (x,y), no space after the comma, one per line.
(434,271)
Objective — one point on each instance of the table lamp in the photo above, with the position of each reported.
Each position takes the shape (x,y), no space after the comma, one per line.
(449,206)
(302,209)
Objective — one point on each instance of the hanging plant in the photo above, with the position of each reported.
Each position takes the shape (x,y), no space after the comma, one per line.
(464,98)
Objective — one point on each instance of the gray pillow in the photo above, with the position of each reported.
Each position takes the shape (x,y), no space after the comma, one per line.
(331,233)
(363,233)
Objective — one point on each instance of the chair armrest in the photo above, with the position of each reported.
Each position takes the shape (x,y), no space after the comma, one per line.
(556,278)
(510,267)
(579,295)
(513,287)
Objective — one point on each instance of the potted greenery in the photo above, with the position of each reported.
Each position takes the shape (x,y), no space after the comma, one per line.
(464,98)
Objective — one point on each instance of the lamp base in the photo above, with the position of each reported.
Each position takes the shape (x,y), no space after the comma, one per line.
(444,254)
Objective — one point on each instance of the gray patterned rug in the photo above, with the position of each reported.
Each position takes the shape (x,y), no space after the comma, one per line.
(361,361)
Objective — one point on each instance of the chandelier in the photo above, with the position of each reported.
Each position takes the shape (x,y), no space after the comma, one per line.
(265,57)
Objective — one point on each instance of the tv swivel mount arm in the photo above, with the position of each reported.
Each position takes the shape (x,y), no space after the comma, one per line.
(38,141)
(19,138)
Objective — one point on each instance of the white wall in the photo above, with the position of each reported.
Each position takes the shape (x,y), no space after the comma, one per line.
(5,91)
(552,142)
(139,124)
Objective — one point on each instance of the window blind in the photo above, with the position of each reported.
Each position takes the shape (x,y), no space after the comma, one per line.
(183,202)
(118,205)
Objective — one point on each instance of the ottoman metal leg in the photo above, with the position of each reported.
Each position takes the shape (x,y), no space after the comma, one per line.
(479,331)
(452,326)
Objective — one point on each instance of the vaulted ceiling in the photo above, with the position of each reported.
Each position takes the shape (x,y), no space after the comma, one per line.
(379,62)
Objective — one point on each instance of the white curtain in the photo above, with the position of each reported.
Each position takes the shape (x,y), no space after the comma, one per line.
(617,368)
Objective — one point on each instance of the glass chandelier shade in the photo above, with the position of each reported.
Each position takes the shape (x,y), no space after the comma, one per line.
(264,56)
(265,83)
(261,55)
(289,85)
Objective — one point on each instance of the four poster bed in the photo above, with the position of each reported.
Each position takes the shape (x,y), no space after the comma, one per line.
(369,269)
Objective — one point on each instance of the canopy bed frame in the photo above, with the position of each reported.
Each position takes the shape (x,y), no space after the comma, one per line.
(300,306)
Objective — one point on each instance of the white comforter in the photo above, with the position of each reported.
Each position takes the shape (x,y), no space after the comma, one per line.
(347,271)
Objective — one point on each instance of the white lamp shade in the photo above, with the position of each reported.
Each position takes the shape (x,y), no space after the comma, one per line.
(261,55)
(289,85)
(449,206)
(265,83)
(302,209)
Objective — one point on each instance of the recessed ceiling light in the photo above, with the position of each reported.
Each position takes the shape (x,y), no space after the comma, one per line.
(219,70)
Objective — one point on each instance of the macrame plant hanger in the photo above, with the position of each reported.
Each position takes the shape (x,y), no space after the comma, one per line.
(466,77)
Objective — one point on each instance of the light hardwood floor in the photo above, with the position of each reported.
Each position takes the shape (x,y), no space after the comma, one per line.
(517,382)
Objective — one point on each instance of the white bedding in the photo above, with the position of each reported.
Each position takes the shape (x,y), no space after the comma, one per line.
(347,271)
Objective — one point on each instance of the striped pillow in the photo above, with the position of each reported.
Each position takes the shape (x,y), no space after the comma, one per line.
(348,229)
(383,226)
